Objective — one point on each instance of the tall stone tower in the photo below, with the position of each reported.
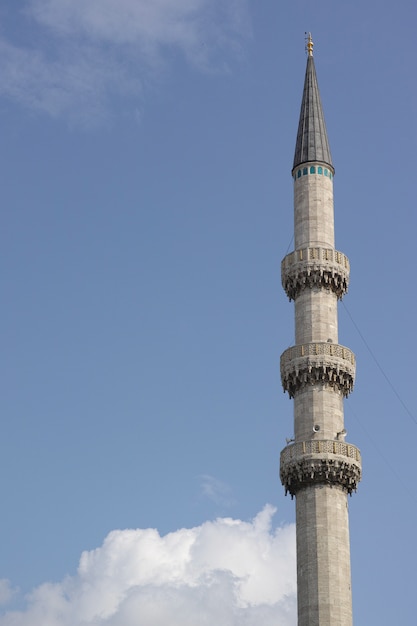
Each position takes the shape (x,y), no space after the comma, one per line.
(318,467)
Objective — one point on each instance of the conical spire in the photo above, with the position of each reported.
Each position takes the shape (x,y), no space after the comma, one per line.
(312,143)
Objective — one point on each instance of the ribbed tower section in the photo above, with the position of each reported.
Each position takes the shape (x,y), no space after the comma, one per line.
(319,468)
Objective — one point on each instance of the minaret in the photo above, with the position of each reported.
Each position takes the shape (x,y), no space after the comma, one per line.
(319,468)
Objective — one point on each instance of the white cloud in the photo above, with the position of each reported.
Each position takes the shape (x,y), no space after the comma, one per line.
(85,54)
(225,572)
(6,591)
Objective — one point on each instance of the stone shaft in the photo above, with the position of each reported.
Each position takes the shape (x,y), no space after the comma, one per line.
(323,558)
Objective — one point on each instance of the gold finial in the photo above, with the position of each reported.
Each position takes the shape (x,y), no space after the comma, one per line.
(309,44)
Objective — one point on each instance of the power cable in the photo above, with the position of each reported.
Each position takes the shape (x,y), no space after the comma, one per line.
(403,404)
(381,454)
(289,246)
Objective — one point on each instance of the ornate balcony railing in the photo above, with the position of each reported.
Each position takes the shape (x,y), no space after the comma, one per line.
(315,267)
(318,363)
(319,446)
(335,463)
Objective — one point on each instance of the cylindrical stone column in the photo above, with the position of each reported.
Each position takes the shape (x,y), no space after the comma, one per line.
(319,469)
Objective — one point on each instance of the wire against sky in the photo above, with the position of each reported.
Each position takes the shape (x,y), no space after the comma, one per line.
(399,398)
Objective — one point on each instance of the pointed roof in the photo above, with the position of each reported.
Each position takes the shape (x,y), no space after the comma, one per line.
(312,143)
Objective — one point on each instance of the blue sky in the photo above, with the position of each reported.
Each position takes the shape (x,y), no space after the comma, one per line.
(147,203)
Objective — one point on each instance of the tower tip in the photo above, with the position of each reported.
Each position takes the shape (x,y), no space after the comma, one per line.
(309,44)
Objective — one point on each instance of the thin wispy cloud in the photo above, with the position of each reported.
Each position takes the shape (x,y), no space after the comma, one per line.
(226,572)
(217,491)
(78,86)
(90,56)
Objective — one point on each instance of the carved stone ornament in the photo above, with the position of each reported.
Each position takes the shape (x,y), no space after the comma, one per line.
(315,267)
(318,363)
(323,462)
